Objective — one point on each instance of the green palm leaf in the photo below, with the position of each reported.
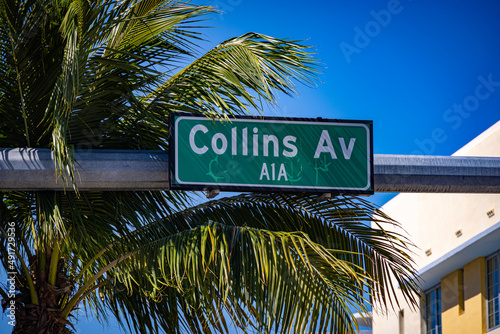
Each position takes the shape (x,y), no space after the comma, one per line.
(289,261)
(221,82)
(99,74)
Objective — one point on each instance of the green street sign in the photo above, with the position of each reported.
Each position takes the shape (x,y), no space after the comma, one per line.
(271,154)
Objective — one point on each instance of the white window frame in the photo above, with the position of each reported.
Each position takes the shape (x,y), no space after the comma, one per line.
(491,300)
(437,308)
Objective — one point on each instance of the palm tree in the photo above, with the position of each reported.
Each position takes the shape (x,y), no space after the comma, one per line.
(102,74)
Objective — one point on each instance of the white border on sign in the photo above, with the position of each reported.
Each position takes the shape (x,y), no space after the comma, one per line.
(278,122)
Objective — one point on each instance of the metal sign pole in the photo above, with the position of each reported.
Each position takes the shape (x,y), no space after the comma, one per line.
(117,170)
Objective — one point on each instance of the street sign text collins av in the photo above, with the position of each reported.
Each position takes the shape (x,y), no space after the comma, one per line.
(271,154)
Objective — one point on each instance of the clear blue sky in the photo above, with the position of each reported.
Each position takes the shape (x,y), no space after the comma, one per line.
(426,72)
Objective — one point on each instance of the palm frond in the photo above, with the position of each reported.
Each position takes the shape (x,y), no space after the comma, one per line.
(288,260)
(221,82)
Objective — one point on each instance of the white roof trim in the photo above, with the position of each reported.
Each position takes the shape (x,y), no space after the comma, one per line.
(481,245)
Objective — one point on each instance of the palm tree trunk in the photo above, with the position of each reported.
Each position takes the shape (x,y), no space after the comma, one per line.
(45,318)
(36,319)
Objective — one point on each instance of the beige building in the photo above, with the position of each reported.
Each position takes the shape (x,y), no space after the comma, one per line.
(458,236)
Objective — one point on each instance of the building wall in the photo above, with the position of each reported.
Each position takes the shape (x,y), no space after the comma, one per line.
(438,223)
(463,299)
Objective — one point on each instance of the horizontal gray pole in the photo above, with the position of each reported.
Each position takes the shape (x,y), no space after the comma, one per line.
(33,169)
(436,174)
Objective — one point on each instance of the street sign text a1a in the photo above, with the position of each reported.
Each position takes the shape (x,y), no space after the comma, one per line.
(271,154)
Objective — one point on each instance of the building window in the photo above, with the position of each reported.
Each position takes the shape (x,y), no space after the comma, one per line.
(493,285)
(433,311)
